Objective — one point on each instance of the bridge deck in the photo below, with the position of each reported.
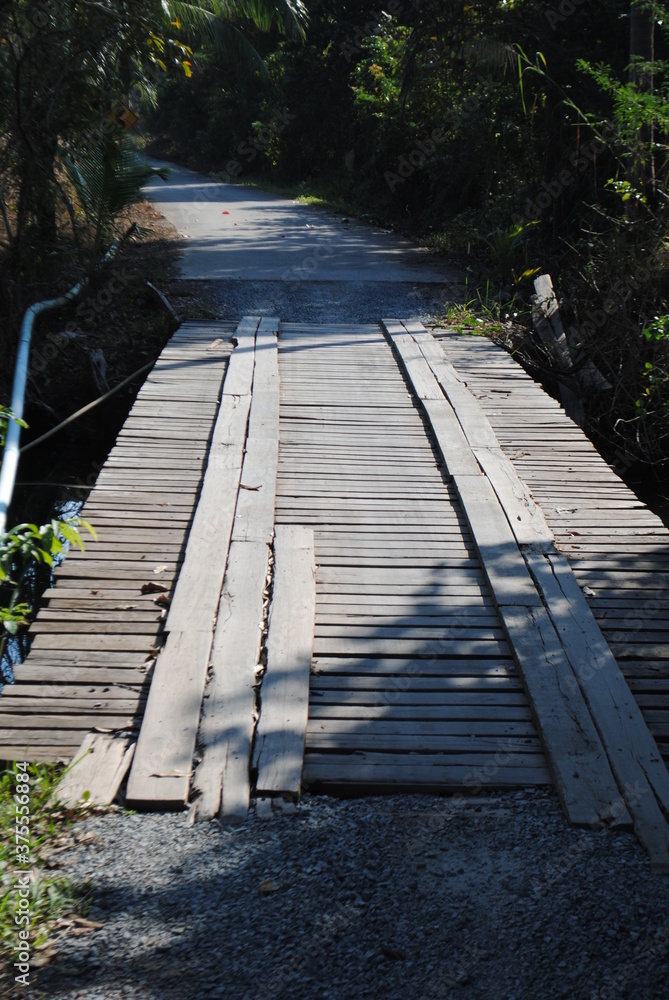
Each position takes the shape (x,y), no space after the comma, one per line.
(97,631)
(617,548)
(448,650)
(411,668)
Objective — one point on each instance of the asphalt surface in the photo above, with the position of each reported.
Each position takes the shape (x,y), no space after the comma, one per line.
(236,232)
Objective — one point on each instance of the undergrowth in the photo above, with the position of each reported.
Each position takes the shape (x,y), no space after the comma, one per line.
(51,896)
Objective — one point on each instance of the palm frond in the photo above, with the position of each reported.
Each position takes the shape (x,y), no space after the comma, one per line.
(289,16)
(107,178)
(227,39)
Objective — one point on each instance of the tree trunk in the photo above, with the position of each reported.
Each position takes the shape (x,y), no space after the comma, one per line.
(642,42)
(642,46)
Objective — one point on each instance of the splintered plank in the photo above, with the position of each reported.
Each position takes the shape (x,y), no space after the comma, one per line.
(222,780)
(281,730)
(161,770)
(97,770)
(228,717)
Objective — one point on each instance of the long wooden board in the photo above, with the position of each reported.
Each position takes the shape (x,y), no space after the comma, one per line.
(222,780)
(161,770)
(284,706)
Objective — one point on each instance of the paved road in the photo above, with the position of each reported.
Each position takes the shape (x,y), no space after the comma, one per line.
(236,232)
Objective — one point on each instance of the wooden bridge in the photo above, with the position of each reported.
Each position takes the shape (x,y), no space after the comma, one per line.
(354,558)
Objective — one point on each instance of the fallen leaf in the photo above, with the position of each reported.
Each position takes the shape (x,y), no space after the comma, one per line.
(242,486)
(160,569)
(266,887)
(215,344)
(153,588)
(163,600)
(589,593)
(224,212)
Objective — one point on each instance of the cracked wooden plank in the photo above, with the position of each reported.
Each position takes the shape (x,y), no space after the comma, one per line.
(222,780)
(161,770)
(282,726)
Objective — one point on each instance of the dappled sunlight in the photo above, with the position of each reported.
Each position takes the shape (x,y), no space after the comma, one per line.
(234,232)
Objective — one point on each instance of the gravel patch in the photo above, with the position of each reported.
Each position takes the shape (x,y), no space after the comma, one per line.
(330,301)
(492,897)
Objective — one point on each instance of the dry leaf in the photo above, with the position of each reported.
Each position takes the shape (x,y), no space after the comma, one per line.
(153,588)
(161,569)
(215,344)
(267,887)
(163,600)
(243,487)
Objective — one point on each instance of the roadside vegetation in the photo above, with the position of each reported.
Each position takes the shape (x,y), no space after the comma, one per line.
(71,173)
(54,899)
(519,137)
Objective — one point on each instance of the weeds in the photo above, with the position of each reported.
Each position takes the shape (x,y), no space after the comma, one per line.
(51,896)
(487,314)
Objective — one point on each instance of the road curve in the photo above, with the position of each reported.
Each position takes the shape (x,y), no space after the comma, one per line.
(236,232)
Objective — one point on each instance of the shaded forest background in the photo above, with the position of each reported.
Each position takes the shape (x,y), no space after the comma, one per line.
(518,137)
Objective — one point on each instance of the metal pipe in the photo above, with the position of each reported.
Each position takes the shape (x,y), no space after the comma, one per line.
(10,458)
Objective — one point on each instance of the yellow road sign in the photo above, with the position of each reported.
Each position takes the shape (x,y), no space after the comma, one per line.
(123,116)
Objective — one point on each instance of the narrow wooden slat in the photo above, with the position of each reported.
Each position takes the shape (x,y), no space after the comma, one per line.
(573,748)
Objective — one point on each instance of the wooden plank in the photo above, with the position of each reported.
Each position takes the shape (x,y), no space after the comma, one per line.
(222,780)
(281,729)
(632,751)
(97,770)
(161,770)
(459,772)
(546,318)
(526,519)
(502,560)
(424,384)
(573,748)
